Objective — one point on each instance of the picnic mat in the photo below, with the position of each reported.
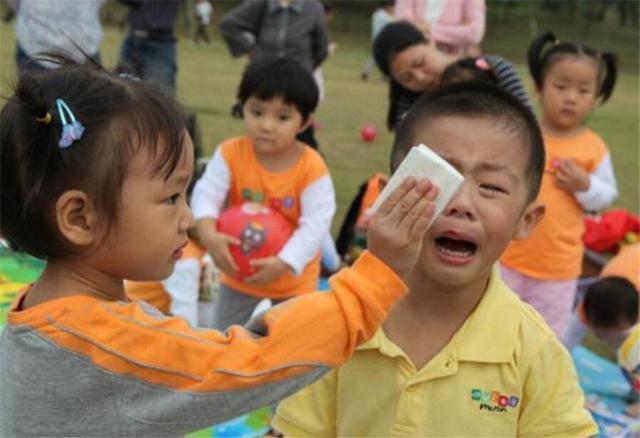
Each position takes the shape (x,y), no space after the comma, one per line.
(606,391)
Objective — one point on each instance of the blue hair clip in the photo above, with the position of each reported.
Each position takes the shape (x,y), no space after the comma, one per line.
(72,129)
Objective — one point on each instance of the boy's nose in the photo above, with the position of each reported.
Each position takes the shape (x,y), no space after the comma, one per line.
(461,205)
(267,123)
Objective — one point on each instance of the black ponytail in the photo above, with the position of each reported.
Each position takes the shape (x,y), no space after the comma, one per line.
(535,58)
(610,75)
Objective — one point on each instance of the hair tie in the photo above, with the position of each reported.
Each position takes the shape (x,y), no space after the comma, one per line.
(482,64)
(46,119)
(72,130)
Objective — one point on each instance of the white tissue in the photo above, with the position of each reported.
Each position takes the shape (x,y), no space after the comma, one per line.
(422,162)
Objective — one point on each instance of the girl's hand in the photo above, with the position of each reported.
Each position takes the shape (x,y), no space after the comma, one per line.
(218,246)
(396,231)
(571,177)
(269,269)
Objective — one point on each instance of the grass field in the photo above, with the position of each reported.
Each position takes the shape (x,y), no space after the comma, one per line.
(208,78)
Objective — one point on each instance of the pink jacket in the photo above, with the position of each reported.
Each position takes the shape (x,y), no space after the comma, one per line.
(461,23)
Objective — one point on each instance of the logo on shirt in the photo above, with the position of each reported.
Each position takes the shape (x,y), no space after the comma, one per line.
(275,203)
(494,401)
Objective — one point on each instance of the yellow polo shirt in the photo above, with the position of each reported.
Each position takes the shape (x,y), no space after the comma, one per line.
(503,373)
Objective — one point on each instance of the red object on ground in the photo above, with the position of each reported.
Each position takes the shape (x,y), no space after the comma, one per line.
(261,230)
(368,132)
(602,234)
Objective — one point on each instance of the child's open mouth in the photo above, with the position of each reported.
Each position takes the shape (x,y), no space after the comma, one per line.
(456,251)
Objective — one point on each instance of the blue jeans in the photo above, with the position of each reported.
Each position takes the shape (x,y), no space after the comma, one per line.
(151,60)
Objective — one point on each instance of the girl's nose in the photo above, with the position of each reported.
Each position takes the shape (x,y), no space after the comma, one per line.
(188,221)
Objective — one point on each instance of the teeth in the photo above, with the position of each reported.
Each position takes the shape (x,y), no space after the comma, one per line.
(453,253)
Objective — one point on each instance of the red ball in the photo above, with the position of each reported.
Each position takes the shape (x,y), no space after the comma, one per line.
(261,230)
(368,132)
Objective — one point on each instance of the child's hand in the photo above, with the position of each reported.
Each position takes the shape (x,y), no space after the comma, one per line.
(396,231)
(571,177)
(218,247)
(269,269)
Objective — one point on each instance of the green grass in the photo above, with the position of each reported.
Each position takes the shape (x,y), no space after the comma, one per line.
(208,77)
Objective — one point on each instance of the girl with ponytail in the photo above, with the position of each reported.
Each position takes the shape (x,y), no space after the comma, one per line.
(569,79)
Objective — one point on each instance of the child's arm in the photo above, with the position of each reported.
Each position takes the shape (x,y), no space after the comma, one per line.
(320,40)
(207,200)
(239,26)
(317,205)
(603,188)
(467,33)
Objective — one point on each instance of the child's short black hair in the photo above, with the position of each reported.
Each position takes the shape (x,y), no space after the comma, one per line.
(269,77)
(610,301)
(475,99)
(466,70)
(540,60)
(121,117)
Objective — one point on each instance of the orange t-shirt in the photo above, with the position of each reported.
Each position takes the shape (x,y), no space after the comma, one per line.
(625,264)
(554,250)
(250,182)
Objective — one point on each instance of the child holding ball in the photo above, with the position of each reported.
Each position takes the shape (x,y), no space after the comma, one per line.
(276,100)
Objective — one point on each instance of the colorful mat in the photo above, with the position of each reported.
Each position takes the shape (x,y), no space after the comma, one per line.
(16,271)
(606,391)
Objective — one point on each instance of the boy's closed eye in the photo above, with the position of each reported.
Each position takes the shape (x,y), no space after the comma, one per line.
(493,189)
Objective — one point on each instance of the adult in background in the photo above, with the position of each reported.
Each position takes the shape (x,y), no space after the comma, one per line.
(453,25)
(149,50)
(70,28)
(415,65)
(278,28)
(382,16)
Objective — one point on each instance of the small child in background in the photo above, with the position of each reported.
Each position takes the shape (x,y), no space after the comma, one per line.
(94,176)
(460,355)
(544,269)
(610,305)
(203,16)
(276,100)
(382,16)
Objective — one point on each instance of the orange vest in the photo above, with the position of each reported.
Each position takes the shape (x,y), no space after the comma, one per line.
(554,250)
(282,191)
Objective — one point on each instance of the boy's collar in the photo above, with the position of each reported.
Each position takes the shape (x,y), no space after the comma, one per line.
(489,335)
(491,331)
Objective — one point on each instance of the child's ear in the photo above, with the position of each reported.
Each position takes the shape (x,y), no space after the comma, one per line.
(76,217)
(533,213)
(306,123)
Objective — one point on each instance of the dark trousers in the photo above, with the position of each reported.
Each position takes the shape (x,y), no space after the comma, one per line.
(202,32)
(152,60)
